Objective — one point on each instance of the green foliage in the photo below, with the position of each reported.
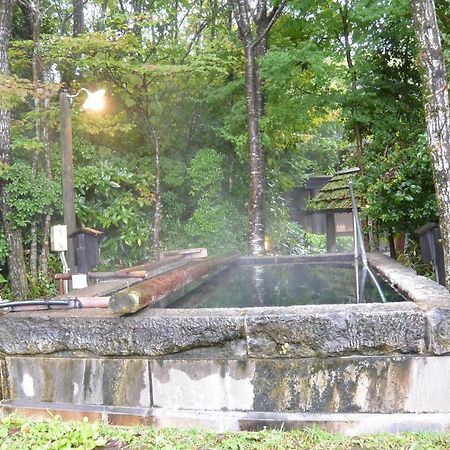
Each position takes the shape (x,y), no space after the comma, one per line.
(285,237)
(206,174)
(113,196)
(399,189)
(180,84)
(43,287)
(52,434)
(216,223)
(29,197)
(3,250)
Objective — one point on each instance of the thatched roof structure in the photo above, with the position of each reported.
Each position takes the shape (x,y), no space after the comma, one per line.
(335,195)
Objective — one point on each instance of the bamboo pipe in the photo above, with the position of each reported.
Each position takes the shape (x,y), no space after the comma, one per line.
(150,291)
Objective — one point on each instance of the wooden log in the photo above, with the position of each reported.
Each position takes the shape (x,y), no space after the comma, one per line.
(191,253)
(117,274)
(63,276)
(150,291)
(154,268)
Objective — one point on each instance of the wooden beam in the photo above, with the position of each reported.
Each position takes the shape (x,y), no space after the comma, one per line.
(331,233)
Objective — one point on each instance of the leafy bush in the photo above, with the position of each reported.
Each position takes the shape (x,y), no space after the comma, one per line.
(399,189)
(216,222)
(29,197)
(115,198)
(286,237)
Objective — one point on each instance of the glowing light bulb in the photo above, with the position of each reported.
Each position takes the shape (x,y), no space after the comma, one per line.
(95,100)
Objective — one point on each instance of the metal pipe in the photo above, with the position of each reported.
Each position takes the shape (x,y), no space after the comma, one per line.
(375,281)
(362,287)
(362,251)
(359,234)
(75,302)
(355,246)
(48,303)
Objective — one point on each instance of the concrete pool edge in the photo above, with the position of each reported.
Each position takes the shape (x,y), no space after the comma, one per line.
(421,326)
(423,291)
(381,364)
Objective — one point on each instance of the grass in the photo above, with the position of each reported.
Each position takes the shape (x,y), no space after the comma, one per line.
(21,434)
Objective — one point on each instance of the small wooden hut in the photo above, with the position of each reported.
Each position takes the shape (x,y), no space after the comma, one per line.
(334,197)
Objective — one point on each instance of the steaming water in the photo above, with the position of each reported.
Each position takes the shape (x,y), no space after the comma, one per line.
(283,285)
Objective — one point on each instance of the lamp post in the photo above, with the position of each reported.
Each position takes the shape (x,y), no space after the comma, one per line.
(95,102)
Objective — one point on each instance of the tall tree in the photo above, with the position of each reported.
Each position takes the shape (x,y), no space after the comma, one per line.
(347,36)
(254,23)
(435,80)
(42,137)
(78,17)
(16,262)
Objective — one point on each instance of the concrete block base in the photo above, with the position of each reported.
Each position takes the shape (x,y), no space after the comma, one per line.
(223,421)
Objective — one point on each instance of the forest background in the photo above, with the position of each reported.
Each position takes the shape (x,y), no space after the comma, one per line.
(166,165)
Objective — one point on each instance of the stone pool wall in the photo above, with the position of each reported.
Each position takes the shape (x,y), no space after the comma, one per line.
(353,368)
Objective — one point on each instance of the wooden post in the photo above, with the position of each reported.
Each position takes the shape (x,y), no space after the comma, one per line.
(331,233)
(67,175)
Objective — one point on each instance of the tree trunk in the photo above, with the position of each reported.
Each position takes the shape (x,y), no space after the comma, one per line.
(128,301)
(37,76)
(254,24)
(78,17)
(136,7)
(33,251)
(16,261)
(158,201)
(45,248)
(42,136)
(437,116)
(351,68)
(253,90)
(103,15)
(256,222)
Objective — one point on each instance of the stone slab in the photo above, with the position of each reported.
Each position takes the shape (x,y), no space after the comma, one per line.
(203,384)
(438,320)
(312,385)
(4,380)
(348,385)
(422,291)
(279,332)
(418,327)
(304,259)
(119,382)
(90,332)
(364,329)
(405,384)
